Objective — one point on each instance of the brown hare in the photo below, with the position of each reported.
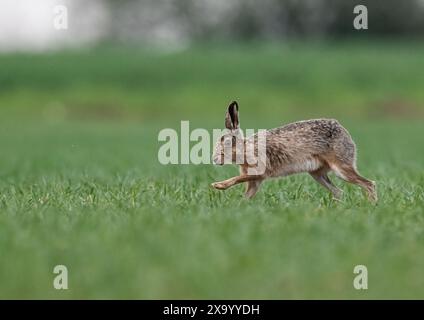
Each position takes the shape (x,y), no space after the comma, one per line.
(313,146)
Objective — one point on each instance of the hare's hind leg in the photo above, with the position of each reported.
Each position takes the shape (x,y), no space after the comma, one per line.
(350,174)
(322,178)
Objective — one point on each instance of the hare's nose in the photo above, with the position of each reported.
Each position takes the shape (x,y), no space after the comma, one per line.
(217,161)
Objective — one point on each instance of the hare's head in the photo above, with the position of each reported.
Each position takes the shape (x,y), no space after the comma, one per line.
(230,146)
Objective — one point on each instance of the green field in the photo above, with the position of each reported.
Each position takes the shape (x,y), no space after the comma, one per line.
(80,183)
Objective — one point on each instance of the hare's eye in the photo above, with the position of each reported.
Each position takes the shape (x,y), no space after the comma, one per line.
(227,143)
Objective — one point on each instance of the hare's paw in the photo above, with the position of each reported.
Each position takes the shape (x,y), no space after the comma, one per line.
(219,185)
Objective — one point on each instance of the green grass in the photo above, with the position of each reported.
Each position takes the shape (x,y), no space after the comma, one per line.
(284,81)
(80,183)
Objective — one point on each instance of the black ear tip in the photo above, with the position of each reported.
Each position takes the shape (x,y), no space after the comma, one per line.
(234,104)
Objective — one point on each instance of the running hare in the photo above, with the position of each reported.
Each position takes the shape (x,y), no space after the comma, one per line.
(313,146)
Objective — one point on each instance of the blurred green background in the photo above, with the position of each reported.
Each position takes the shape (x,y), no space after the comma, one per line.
(80,183)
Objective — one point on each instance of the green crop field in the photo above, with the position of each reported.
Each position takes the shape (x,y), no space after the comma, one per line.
(81,184)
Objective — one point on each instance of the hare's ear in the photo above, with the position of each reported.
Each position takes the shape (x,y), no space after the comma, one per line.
(228,123)
(231,118)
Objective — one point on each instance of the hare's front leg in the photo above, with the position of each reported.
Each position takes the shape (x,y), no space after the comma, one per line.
(222,185)
(252,188)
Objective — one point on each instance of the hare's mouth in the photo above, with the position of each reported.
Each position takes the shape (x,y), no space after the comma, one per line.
(218,161)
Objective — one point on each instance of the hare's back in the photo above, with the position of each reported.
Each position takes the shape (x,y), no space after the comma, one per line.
(316,128)
(316,136)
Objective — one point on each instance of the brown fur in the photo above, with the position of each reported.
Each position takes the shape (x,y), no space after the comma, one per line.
(315,146)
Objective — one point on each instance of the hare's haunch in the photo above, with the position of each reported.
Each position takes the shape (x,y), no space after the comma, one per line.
(313,146)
